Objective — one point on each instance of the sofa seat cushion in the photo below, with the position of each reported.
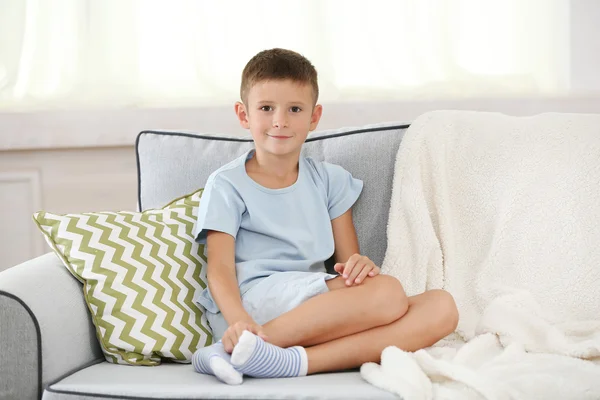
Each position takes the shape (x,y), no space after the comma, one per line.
(178,381)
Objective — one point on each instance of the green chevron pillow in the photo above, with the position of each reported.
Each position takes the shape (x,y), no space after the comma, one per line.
(140,273)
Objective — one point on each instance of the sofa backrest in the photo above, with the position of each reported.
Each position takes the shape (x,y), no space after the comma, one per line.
(173,164)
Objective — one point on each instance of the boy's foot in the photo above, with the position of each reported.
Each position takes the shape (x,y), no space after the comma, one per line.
(259,359)
(214,360)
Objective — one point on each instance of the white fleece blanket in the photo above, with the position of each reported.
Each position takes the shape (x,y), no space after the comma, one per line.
(504,213)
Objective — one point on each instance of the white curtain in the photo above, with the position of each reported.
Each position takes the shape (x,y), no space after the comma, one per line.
(159,53)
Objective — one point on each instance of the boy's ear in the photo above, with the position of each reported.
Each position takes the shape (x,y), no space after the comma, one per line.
(316,117)
(242,114)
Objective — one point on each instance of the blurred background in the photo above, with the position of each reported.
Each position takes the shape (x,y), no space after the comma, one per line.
(79,79)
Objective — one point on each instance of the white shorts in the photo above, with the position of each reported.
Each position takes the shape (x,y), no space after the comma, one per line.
(273,296)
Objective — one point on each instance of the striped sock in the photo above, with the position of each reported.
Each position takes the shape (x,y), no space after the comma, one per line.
(214,360)
(259,359)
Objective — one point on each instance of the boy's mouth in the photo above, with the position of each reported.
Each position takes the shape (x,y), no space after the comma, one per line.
(279,137)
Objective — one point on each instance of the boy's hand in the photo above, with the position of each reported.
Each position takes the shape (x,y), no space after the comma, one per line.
(356,269)
(233,333)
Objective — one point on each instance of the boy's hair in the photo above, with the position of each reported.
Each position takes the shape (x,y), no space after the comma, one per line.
(278,64)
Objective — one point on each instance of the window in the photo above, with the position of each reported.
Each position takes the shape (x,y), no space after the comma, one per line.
(156,53)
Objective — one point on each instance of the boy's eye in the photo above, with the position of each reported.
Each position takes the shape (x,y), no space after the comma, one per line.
(266,108)
(295,109)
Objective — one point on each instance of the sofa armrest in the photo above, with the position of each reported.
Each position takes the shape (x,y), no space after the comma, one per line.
(45,327)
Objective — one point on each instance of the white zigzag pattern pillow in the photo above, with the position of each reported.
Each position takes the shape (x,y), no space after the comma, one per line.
(140,273)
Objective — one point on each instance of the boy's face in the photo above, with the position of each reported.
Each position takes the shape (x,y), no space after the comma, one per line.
(279,114)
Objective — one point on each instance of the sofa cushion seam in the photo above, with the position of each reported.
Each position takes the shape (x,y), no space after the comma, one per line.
(107,396)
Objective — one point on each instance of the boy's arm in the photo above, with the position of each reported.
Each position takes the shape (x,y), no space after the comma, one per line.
(349,263)
(344,237)
(222,279)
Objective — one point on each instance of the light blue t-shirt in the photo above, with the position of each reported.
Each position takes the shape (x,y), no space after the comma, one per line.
(275,230)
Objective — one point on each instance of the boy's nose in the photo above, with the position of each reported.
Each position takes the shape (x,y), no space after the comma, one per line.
(280,121)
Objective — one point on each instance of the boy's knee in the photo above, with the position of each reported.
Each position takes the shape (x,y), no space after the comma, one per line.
(389,298)
(447,313)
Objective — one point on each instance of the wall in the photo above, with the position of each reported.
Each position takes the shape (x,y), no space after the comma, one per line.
(585,46)
(63,161)
(60,181)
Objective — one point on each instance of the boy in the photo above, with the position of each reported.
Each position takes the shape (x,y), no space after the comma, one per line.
(270,219)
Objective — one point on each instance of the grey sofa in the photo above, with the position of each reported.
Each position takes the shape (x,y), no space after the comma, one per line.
(48,347)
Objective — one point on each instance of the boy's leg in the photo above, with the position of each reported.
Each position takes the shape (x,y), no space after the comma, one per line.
(342,311)
(259,359)
(431,316)
(214,360)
